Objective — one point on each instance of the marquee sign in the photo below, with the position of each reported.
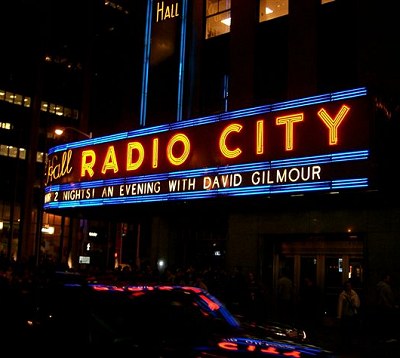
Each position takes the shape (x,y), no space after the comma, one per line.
(319,143)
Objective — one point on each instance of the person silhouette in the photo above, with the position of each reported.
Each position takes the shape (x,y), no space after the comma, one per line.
(387,308)
(285,297)
(348,314)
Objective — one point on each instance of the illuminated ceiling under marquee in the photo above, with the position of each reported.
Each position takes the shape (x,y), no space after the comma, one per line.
(318,143)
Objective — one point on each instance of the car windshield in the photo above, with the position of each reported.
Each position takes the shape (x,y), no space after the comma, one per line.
(152,311)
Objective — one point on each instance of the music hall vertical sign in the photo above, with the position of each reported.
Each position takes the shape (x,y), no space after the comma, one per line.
(164,62)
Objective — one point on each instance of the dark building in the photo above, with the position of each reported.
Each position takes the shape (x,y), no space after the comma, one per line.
(122,66)
(61,65)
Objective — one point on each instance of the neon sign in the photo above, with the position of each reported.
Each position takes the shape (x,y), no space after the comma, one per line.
(268,347)
(312,144)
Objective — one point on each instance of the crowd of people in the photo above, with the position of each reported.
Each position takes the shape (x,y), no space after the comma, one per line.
(241,291)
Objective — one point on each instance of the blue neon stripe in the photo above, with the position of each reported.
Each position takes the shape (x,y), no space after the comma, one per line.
(146,64)
(258,190)
(181,74)
(348,94)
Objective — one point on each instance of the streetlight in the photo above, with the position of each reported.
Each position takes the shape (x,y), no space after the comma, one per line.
(60,131)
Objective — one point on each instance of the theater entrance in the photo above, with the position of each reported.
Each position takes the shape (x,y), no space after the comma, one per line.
(328,260)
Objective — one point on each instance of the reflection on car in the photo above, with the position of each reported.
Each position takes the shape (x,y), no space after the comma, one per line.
(275,330)
(149,321)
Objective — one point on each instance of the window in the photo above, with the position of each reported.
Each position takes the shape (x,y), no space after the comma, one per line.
(4,150)
(40,157)
(27,101)
(67,112)
(271,9)
(218,17)
(12,151)
(44,106)
(59,110)
(18,99)
(22,153)
(75,114)
(15,98)
(52,108)
(10,97)
(5,125)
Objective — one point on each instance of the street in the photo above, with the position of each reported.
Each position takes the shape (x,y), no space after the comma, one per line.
(366,345)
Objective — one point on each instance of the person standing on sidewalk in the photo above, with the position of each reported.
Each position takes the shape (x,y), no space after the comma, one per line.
(388,310)
(309,306)
(348,315)
(285,299)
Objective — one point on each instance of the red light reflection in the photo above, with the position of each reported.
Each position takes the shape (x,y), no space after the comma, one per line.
(213,306)
(270,350)
(193,289)
(232,346)
(228,346)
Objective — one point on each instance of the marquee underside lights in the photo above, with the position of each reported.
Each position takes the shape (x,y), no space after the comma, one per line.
(319,143)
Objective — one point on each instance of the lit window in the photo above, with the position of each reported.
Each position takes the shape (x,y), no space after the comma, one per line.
(4,150)
(27,101)
(10,97)
(22,153)
(18,99)
(52,108)
(271,9)
(44,106)
(40,157)
(2,95)
(59,110)
(218,17)
(12,152)
(5,125)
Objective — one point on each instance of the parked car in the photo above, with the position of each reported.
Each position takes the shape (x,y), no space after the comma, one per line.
(275,330)
(147,320)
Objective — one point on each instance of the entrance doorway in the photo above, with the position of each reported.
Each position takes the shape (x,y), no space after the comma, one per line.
(328,260)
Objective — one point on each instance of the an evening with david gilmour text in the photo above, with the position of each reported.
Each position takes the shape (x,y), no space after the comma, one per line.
(266,177)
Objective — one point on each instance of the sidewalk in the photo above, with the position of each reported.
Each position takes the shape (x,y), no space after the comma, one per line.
(367,344)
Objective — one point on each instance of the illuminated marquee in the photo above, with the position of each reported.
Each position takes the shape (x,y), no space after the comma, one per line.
(312,144)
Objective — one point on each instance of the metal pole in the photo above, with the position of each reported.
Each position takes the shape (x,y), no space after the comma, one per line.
(38,233)
(61,247)
(138,247)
